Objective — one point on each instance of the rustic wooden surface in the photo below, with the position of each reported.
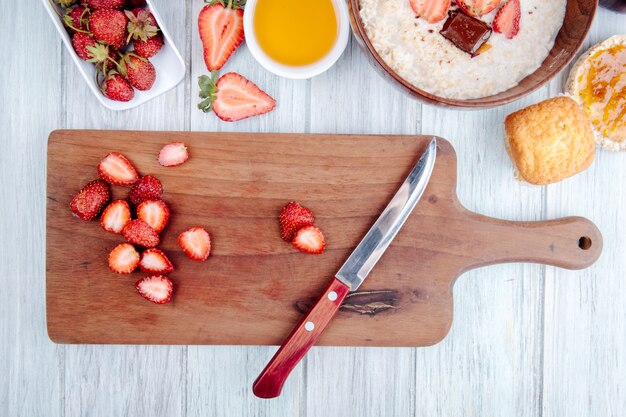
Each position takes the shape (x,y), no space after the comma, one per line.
(527,340)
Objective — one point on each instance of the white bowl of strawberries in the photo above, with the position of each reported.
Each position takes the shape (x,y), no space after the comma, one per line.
(121,48)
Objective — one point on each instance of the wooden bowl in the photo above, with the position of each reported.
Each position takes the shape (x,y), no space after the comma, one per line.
(578,18)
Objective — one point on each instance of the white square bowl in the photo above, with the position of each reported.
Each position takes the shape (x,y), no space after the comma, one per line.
(169,65)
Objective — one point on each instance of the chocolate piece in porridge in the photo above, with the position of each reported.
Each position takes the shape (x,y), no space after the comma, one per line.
(467,33)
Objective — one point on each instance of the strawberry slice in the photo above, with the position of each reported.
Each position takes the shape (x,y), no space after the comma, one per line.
(116,169)
(478,7)
(140,233)
(173,154)
(155,288)
(294,217)
(123,259)
(221,31)
(507,19)
(115,216)
(309,239)
(233,97)
(154,261)
(196,243)
(431,10)
(147,188)
(155,213)
(90,200)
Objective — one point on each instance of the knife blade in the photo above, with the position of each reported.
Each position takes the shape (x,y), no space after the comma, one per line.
(349,277)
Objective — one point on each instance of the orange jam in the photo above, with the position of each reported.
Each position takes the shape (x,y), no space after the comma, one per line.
(603,91)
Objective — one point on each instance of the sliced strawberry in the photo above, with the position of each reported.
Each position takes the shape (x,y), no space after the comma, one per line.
(309,239)
(116,169)
(221,32)
(155,213)
(155,288)
(140,233)
(431,10)
(478,7)
(173,154)
(294,217)
(233,97)
(154,261)
(196,243)
(90,200)
(147,188)
(115,216)
(507,19)
(123,259)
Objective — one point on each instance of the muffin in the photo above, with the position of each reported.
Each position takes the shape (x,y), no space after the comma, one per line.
(598,83)
(550,141)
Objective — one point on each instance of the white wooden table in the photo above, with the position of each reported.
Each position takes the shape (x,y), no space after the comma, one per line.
(527,340)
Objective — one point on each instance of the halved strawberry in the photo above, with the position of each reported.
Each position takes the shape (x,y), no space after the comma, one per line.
(155,288)
(155,213)
(123,259)
(116,169)
(309,239)
(478,7)
(115,216)
(294,217)
(431,10)
(154,261)
(173,154)
(147,188)
(233,97)
(221,30)
(507,19)
(196,243)
(140,233)
(90,200)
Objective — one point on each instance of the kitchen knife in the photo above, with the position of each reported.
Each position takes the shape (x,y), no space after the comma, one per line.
(349,277)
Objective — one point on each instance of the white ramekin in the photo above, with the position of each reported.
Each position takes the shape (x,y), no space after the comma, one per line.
(305,71)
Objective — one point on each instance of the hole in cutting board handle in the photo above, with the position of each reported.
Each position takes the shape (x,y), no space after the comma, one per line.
(584,243)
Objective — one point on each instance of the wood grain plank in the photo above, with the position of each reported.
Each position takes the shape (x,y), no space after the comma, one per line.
(127,380)
(585,316)
(31,380)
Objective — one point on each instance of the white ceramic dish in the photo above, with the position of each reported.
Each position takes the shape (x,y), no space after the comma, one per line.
(305,71)
(169,65)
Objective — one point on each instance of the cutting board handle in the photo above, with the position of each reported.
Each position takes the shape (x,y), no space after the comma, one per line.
(571,242)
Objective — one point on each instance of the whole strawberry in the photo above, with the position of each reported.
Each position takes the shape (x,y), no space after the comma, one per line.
(76,18)
(140,72)
(109,27)
(117,88)
(105,4)
(81,43)
(90,200)
(150,47)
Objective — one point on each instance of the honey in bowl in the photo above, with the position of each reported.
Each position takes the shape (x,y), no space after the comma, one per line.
(296,32)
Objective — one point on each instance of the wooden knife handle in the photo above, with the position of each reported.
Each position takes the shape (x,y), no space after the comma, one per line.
(271,380)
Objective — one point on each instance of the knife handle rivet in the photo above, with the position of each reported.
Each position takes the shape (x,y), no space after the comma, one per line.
(309,326)
(332,296)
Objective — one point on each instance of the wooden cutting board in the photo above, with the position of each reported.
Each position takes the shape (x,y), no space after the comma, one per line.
(254,287)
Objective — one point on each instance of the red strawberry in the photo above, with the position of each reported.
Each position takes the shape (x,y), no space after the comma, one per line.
(90,200)
(221,31)
(294,217)
(173,154)
(309,239)
(155,288)
(116,169)
(141,24)
(150,47)
(155,213)
(109,27)
(105,4)
(115,216)
(154,261)
(478,7)
(117,88)
(233,97)
(507,19)
(140,72)
(147,188)
(431,10)
(81,42)
(140,233)
(196,243)
(131,4)
(123,259)
(150,17)
(76,18)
